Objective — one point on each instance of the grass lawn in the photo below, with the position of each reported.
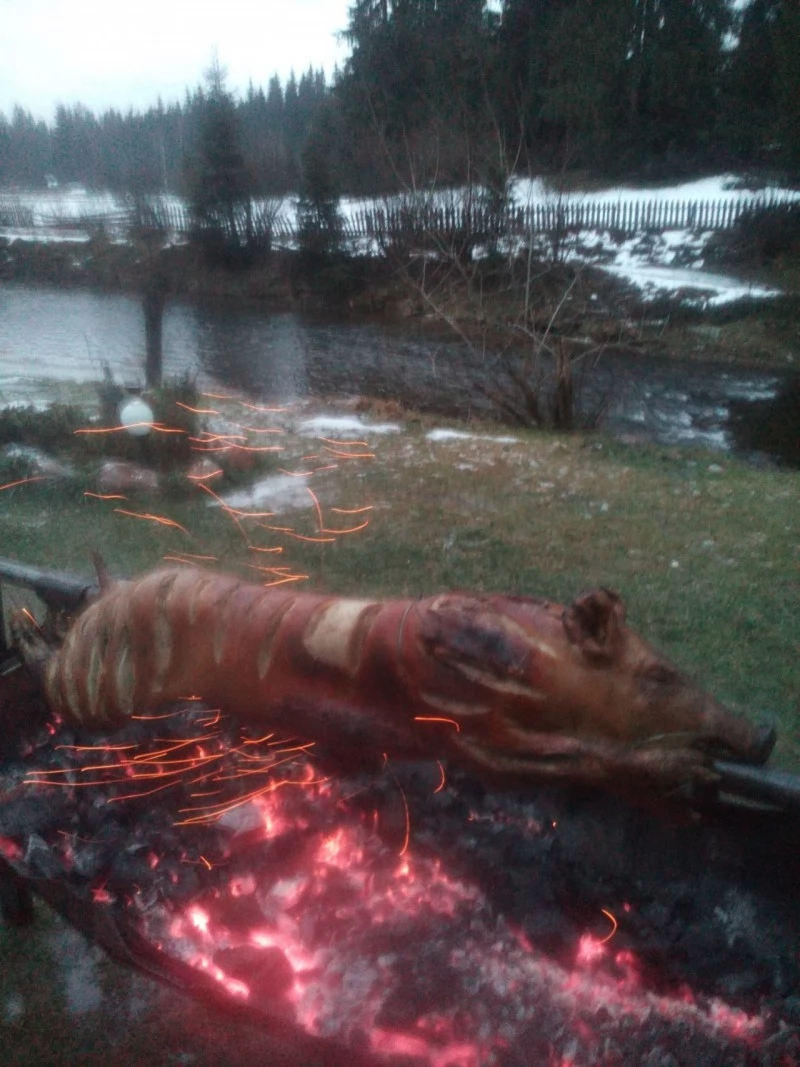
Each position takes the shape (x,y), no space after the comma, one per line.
(703,548)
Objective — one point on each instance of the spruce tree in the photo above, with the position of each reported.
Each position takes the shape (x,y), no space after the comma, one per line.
(219,187)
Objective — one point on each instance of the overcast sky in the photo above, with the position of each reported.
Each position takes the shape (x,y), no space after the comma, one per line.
(104,53)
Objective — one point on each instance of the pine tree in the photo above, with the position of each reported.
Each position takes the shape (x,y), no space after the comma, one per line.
(219,185)
(319,222)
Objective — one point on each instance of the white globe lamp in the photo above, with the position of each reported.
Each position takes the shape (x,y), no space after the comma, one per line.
(136,416)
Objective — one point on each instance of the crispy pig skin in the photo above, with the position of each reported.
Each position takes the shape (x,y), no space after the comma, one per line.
(516,688)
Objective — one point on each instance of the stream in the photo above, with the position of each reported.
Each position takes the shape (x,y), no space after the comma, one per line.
(284,357)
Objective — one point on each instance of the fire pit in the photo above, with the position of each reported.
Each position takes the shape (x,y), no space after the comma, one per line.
(412,917)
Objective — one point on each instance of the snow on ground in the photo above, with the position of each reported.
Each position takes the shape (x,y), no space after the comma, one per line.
(718,187)
(344,424)
(461,435)
(667,263)
(278,492)
(689,283)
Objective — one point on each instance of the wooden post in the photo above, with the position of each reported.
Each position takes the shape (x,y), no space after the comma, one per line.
(153,303)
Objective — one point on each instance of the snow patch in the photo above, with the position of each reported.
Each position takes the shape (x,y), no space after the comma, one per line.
(278,492)
(461,435)
(344,424)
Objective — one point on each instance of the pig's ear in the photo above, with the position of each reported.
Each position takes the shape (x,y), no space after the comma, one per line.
(593,622)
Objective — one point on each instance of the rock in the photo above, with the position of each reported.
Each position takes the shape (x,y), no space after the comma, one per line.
(120,476)
(38,463)
(237,459)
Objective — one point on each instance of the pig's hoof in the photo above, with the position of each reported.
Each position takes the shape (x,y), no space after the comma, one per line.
(763,744)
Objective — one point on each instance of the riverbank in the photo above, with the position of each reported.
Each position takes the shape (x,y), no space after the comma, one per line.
(482,303)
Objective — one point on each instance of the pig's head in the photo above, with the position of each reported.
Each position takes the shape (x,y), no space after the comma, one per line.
(573,693)
(629,687)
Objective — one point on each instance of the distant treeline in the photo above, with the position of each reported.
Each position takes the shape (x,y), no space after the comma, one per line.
(450,90)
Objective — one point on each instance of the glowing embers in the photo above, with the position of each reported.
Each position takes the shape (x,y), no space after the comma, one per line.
(371,911)
(314,916)
(218,767)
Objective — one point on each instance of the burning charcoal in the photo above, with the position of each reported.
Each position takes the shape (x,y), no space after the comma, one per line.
(179,882)
(422,985)
(266,971)
(42,859)
(239,914)
(131,869)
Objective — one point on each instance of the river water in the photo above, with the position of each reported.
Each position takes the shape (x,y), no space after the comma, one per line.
(283,357)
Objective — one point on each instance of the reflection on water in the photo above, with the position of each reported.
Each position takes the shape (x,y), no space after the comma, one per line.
(283,357)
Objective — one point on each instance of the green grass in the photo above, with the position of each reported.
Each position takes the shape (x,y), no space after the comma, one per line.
(704,549)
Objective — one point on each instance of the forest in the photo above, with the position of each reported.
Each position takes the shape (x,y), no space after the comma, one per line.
(455,90)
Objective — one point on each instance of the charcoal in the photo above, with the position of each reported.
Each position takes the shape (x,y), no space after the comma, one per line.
(27,812)
(547,927)
(41,859)
(91,860)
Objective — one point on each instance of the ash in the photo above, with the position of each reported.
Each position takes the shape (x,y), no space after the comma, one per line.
(415,918)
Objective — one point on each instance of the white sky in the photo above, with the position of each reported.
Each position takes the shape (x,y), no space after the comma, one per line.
(103,53)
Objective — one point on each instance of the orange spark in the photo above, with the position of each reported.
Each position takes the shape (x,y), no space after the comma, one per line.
(257,448)
(353,511)
(193,555)
(160,519)
(614,926)
(205,477)
(106,496)
(196,411)
(288,578)
(235,513)
(313,496)
(349,455)
(216,396)
(255,407)
(349,530)
(437,718)
(307,474)
(443,782)
(255,548)
(144,793)
(22,481)
(130,426)
(298,537)
(407,837)
(213,438)
(345,444)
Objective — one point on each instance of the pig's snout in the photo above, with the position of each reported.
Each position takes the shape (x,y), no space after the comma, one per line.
(763,744)
(741,739)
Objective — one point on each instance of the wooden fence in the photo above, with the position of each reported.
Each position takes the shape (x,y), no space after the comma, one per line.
(412,219)
(620,216)
(15,216)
